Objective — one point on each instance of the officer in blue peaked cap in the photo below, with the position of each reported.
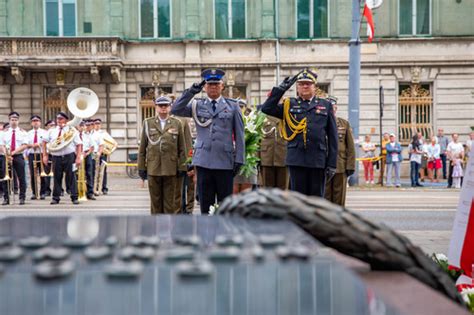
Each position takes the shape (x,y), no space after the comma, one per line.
(219,151)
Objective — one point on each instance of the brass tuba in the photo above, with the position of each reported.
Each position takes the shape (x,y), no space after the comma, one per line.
(82,103)
(109,144)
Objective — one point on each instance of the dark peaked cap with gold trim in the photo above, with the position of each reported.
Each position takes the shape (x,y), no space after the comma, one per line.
(307,76)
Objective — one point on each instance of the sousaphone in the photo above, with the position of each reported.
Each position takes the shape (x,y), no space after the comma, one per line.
(82,103)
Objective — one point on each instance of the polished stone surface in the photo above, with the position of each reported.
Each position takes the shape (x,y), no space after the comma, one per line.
(201,277)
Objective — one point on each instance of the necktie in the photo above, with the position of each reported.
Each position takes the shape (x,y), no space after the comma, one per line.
(80,135)
(13,143)
(35,139)
(213,105)
(60,131)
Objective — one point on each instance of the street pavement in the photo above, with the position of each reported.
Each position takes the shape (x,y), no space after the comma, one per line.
(424,215)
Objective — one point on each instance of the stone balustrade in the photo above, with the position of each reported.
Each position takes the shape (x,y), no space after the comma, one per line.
(59,46)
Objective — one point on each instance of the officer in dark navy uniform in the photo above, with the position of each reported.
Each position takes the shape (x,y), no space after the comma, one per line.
(219,150)
(309,126)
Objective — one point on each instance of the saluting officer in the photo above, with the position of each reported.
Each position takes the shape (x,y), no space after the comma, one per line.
(35,144)
(272,156)
(336,188)
(309,126)
(219,151)
(15,141)
(161,156)
(64,158)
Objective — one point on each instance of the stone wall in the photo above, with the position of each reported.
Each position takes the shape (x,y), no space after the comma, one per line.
(254,64)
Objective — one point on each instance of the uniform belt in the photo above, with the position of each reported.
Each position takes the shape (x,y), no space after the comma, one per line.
(62,156)
(19,154)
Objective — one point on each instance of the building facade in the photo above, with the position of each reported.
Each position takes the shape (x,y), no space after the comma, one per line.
(128,51)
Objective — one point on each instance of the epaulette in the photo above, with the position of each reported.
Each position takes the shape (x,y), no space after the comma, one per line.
(232,101)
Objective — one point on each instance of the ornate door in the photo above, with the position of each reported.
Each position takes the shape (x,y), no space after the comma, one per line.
(415,111)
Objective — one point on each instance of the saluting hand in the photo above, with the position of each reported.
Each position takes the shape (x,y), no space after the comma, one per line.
(288,82)
(197,87)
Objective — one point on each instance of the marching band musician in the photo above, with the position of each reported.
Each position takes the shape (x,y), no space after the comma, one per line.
(219,151)
(309,126)
(64,158)
(47,168)
(15,139)
(99,138)
(35,143)
(162,156)
(3,129)
(87,150)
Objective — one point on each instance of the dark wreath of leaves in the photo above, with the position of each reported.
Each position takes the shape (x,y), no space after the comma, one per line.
(345,231)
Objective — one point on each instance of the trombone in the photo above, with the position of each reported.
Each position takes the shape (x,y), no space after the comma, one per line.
(81,181)
(43,173)
(7,178)
(36,177)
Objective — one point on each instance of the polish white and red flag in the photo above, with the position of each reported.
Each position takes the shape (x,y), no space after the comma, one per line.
(368,7)
(461,247)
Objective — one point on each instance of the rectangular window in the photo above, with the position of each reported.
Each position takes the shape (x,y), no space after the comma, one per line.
(414,17)
(312,18)
(60,17)
(155,18)
(230,19)
(320,27)
(69,17)
(52,18)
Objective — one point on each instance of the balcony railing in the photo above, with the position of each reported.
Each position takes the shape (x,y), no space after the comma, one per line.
(58,46)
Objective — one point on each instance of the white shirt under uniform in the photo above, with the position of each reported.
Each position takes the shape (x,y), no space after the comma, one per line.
(87,141)
(41,134)
(20,138)
(98,139)
(53,134)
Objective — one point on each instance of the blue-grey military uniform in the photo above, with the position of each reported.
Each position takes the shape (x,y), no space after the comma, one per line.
(219,145)
(308,160)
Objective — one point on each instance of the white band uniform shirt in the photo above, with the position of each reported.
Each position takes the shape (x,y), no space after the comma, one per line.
(88,141)
(41,135)
(21,138)
(98,139)
(70,148)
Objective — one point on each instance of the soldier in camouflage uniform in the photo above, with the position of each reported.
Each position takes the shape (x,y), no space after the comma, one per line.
(161,156)
(337,186)
(273,155)
(182,176)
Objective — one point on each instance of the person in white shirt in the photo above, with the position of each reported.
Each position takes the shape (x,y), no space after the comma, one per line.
(469,143)
(103,158)
(88,145)
(35,143)
(368,149)
(416,152)
(434,160)
(47,168)
(14,141)
(63,160)
(455,151)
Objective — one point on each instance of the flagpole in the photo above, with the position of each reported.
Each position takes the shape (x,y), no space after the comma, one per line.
(354,81)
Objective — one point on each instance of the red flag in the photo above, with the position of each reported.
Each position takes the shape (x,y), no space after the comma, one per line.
(370,22)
